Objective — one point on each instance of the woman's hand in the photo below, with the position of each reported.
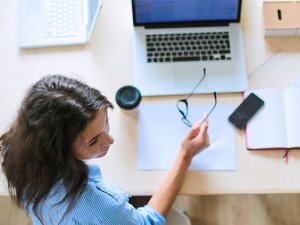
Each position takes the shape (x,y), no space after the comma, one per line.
(196,140)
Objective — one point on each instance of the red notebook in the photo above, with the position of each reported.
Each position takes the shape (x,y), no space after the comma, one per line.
(277,124)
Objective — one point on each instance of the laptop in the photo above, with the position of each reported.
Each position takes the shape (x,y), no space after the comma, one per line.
(174,40)
(56,22)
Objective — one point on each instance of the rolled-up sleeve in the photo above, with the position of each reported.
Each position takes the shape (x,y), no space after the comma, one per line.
(151,215)
(126,214)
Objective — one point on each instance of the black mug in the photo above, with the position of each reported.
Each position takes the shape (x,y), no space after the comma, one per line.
(128,97)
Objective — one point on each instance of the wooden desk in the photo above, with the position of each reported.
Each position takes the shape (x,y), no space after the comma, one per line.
(106,63)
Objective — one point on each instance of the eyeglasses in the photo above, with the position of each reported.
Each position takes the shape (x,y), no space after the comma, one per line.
(183,105)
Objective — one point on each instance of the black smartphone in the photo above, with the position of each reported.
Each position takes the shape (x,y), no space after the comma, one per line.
(246,110)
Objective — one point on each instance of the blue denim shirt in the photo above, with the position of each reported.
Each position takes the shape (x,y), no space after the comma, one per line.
(101,203)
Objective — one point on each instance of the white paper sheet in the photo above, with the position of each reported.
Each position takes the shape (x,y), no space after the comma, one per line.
(161,132)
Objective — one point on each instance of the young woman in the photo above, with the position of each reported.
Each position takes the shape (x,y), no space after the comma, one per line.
(61,123)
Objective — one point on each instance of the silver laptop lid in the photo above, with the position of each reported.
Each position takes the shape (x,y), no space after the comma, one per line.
(94,7)
(184,13)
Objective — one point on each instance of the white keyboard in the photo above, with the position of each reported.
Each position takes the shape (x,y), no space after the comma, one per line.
(61,18)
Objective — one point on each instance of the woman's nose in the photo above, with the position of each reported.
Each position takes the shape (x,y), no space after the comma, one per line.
(110,139)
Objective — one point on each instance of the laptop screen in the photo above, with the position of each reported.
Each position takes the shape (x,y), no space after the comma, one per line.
(151,12)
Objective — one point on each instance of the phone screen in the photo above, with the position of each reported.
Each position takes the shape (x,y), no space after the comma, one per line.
(246,110)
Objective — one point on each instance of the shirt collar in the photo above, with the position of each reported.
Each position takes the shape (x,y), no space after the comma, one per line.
(94,173)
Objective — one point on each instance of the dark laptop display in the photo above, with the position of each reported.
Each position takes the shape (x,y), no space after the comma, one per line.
(147,12)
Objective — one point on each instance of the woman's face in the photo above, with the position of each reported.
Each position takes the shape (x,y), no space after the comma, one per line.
(95,140)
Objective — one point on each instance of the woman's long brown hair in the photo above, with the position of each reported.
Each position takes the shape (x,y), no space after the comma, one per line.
(37,149)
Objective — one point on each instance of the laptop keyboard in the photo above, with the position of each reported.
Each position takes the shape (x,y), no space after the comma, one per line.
(179,47)
(61,19)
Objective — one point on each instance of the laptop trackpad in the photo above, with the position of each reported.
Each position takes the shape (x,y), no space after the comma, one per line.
(186,77)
